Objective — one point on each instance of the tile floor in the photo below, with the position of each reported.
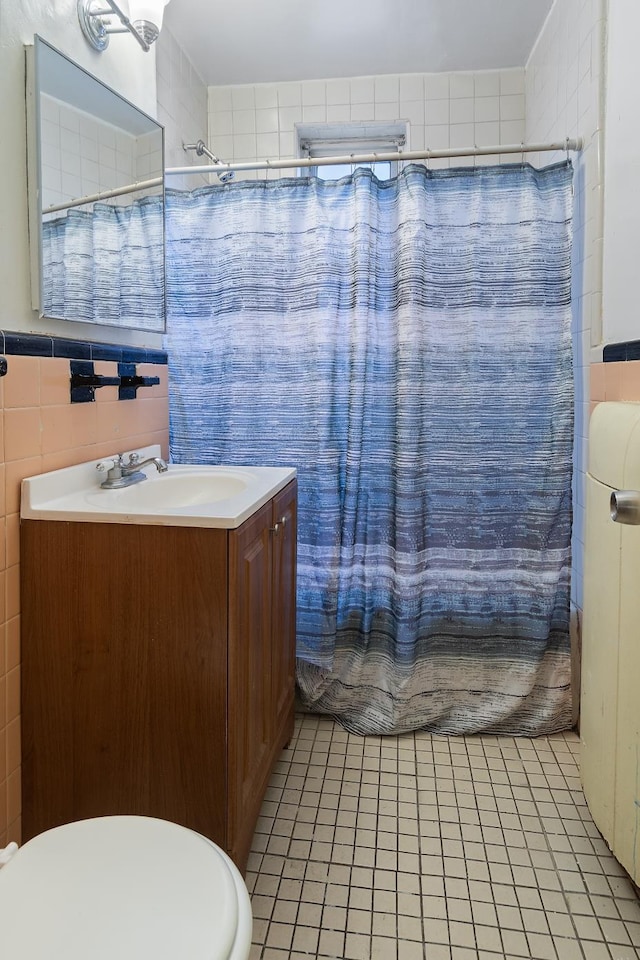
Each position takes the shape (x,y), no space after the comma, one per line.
(423,847)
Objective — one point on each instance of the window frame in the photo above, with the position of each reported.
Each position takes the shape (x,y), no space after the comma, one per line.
(339,140)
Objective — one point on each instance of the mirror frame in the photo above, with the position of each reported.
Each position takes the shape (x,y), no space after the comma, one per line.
(34,181)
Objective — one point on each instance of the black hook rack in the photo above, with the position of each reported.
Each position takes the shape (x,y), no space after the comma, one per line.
(85,381)
(131,381)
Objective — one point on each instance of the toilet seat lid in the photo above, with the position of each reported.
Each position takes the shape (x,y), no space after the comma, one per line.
(125,887)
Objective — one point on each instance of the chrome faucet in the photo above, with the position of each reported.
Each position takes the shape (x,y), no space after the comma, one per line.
(124,474)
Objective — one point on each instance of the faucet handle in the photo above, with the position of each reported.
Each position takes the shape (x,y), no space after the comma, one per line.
(134,458)
(116,464)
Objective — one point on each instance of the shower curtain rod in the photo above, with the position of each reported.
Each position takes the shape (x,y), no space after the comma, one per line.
(302,162)
(561,145)
(105,195)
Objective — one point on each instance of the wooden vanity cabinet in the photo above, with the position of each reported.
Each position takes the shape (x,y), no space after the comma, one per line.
(157,670)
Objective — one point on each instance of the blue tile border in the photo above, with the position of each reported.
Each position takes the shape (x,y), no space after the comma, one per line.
(28,345)
(627,350)
(37,345)
(72,349)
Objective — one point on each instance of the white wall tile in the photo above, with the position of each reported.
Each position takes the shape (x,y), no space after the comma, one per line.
(289,95)
(289,116)
(512,131)
(70,120)
(460,85)
(437,111)
(266,96)
(512,107)
(287,144)
(268,145)
(242,98)
(486,134)
(338,112)
(436,86)
(314,114)
(106,135)
(244,121)
(222,122)
(387,89)
(362,90)
(413,111)
(267,120)
(337,92)
(89,148)
(415,137)
(314,93)
(461,110)
(461,135)
(487,109)
(245,146)
(486,84)
(363,111)
(412,87)
(512,81)
(222,146)
(436,136)
(386,111)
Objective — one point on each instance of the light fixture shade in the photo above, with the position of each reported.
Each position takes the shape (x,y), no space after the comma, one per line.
(147,11)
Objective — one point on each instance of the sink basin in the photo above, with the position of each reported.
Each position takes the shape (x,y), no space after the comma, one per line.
(174,490)
(186,495)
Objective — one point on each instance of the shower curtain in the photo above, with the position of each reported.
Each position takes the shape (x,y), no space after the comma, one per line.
(106,264)
(406,345)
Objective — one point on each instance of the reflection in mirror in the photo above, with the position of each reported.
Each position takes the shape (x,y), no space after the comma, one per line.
(98,214)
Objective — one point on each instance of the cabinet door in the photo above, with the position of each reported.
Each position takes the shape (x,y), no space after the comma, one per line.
(284,611)
(249,665)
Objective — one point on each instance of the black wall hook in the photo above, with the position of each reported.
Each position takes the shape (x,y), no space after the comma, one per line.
(130,381)
(85,381)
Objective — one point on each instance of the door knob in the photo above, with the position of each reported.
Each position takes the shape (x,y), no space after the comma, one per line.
(625,506)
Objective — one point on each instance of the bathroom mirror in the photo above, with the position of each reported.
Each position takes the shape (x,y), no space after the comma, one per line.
(96,198)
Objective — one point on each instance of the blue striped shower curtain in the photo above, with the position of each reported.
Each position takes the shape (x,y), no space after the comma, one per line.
(105,265)
(406,345)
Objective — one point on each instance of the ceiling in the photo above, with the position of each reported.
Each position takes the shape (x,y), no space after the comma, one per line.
(253,41)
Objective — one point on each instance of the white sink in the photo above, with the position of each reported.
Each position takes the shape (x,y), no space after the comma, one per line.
(189,495)
(179,487)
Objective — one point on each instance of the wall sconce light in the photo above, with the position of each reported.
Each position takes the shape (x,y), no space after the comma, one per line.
(144,21)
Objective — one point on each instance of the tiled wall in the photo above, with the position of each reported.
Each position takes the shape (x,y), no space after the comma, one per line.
(41,430)
(257,121)
(182,107)
(564,97)
(622,162)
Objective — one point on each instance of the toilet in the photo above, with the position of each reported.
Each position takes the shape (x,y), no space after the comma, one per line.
(123,888)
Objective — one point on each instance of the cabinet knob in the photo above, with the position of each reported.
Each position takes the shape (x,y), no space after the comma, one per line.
(283,521)
(274,529)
